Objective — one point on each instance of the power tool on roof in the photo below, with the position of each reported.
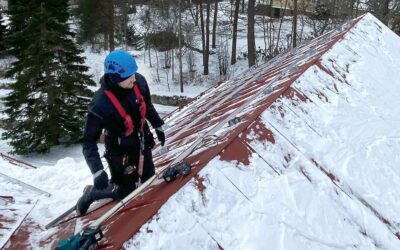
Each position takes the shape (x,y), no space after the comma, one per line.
(181,168)
(86,240)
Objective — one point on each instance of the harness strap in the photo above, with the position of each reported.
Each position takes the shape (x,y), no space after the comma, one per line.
(128,119)
(143,110)
(142,107)
(128,122)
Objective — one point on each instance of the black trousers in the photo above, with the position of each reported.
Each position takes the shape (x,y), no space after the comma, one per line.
(124,165)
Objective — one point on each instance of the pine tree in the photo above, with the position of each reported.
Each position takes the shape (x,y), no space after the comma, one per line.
(2,32)
(94,18)
(49,99)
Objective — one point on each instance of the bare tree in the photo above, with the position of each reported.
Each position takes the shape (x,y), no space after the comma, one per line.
(194,12)
(223,58)
(323,19)
(276,47)
(203,36)
(189,39)
(234,32)
(157,66)
(111,25)
(388,11)
(356,8)
(207,40)
(294,24)
(215,24)
(385,12)
(180,48)
(251,44)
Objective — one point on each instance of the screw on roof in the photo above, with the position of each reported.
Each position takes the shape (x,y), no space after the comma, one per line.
(234,121)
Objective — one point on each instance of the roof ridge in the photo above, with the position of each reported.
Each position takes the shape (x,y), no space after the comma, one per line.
(340,35)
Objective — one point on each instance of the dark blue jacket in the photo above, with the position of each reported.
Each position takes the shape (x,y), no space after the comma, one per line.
(103,115)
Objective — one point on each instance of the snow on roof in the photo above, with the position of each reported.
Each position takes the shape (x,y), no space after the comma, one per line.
(317,169)
(298,153)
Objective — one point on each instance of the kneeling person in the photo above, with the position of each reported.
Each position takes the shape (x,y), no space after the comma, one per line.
(120,107)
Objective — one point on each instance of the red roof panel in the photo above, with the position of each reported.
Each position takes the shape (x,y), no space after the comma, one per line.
(200,131)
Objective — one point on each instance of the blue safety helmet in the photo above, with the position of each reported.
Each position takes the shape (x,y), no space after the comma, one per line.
(120,62)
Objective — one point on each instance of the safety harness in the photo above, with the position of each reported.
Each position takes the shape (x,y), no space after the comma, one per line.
(128,122)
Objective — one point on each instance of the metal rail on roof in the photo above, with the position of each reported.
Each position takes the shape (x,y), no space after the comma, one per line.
(17,162)
(214,107)
(25,185)
(2,244)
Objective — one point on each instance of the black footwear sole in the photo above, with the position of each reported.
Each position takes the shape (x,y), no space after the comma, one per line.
(82,212)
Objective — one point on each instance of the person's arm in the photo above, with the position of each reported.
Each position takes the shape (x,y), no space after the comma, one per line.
(151,115)
(91,135)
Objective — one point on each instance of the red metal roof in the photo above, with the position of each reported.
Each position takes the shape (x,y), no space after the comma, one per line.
(200,130)
(13,218)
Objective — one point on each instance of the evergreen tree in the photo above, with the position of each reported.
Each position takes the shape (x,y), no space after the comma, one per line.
(49,99)
(2,32)
(93,18)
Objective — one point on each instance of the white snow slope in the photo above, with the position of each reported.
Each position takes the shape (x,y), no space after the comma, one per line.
(349,125)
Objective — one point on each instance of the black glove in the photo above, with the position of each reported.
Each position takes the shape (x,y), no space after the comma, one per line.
(100,179)
(160,135)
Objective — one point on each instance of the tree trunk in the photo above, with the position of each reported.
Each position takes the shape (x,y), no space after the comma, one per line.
(106,39)
(357,8)
(215,25)
(173,64)
(149,58)
(251,44)
(276,49)
(111,25)
(180,48)
(294,24)
(385,12)
(265,38)
(125,23)
(207,50)
(234,32)
(203,37)
(157,67)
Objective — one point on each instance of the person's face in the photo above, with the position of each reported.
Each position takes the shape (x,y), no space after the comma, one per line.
(128,83)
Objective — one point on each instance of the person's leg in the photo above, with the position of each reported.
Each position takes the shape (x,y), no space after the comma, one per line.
(127,186)
(130,176)
(148,165)
(91,194)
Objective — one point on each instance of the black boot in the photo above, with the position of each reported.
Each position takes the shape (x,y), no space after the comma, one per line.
(84,202)
(91,194)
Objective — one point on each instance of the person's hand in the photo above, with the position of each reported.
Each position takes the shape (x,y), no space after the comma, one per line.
(160,135)
(100,179)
